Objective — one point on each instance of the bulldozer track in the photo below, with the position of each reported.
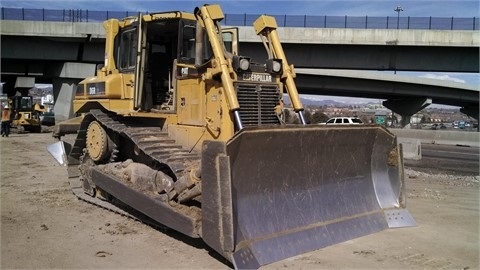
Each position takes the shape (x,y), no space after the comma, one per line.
(153,142)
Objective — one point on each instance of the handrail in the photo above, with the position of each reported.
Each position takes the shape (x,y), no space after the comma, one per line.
(359,22)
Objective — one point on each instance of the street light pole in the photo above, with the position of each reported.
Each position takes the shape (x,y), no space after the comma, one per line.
(398,9)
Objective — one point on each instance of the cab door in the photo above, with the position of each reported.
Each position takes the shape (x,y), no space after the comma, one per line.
(192,103)
(129,59)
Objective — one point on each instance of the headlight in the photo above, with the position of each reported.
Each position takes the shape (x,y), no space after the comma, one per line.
(244,64)
(241,63)
(277,66)
(274,65)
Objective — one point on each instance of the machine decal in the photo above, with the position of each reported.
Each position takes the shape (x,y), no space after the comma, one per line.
(257,77)
(96,89)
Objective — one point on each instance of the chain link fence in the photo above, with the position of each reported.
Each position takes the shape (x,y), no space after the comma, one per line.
(365,22)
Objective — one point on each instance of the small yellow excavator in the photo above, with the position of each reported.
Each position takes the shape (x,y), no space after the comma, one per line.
(179,128)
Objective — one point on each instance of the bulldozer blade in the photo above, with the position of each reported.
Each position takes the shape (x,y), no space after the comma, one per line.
(59,151)
(290,190)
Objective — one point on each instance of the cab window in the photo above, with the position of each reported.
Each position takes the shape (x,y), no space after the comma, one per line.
(228,41)
(127,53)
(187,44)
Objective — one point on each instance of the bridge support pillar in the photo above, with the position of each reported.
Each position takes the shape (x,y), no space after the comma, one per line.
(407,107)
(472,111)
(66,78)
(64,92)
(23,84)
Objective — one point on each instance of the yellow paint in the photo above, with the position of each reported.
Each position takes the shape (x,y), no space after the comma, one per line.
(204,103)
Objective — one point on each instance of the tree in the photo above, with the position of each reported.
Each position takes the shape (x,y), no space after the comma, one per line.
(290,117)
(319,117)
(425,119)
(308,116)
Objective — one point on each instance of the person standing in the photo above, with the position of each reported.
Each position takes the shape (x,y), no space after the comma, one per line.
(6,120)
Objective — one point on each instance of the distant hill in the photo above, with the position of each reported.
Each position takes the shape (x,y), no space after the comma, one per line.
(327,102)
(40,92)
(323,102)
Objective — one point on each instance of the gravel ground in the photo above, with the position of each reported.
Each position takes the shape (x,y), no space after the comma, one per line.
(43,225)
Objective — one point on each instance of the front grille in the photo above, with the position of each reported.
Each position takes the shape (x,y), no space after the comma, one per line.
(257,103)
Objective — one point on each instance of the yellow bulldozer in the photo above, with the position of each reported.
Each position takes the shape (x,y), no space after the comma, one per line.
(26,113)
(181,129)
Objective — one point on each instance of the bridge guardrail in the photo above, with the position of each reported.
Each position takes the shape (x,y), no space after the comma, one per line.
(359,22)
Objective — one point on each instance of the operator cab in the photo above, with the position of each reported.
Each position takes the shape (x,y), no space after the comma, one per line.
(167,52)
(22,104)
(159,48)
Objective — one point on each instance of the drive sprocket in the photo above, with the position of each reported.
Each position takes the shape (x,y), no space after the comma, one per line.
(97,142)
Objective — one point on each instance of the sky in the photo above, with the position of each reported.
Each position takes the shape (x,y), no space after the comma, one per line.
(380,8)
(418,8)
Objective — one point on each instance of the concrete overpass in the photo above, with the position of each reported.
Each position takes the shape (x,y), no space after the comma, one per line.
(333,48)
(27,51)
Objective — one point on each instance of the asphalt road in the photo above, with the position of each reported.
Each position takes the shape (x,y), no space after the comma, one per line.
(448,159)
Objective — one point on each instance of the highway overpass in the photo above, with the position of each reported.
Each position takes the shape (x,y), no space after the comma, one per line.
(333,48)
(63,52)
(404,95)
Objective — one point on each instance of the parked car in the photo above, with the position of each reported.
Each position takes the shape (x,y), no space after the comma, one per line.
(344,121)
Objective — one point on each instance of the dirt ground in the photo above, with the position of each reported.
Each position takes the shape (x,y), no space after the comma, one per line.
(43,225)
